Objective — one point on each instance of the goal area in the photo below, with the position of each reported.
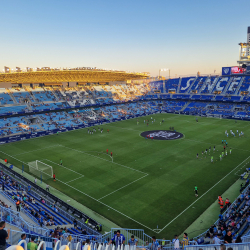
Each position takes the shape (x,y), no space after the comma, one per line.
(39,169)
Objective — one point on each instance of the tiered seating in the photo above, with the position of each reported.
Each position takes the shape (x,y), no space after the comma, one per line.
(245,87)
(172,85)
(233,86)
(178,96)
(21,95)
(37,209)
(58,120)
(15,109)
(198,84)
(209,85)
(196,107)
(172,106)
(5,98)
(235,219)
(221,84)
(42,95)
(186,83)
(58,105)
(14,125)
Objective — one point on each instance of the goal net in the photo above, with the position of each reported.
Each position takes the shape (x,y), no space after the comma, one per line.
(39,169)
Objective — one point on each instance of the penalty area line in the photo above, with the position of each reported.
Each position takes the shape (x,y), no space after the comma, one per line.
(123,187)
(106,205)
(37,150)
(203,195)
(64,167)
(75,179)
(104,159)
(93,198)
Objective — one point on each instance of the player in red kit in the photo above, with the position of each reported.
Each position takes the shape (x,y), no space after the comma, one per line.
(111,154)
(54,177)
(107,151)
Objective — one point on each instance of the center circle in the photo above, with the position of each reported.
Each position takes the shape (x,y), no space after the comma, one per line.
(162,135)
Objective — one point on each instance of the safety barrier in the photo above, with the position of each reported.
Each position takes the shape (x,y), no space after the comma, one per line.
(14,218)
(234,246)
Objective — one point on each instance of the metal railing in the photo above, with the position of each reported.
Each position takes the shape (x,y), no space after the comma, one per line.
(138,234)
(234,246)
(15,236)
(226,211)
(65,213)
(14,218)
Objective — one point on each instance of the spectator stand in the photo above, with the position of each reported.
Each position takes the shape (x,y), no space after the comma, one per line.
(225,211)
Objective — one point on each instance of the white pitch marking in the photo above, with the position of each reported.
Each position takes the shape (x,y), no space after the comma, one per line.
(203,195)
(37,150)
(94,199)
(123,187)
(104,159)
(64,167)
(75,179)
(106,205)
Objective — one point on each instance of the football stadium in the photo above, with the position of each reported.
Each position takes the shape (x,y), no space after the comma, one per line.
(99,159)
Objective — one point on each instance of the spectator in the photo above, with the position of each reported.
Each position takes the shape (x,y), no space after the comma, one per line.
(118,238)
(238,239)
(228,238)
(185,240)
(84,232)
(222,247)
(176,242)
(216,240)
(3,235)
(133,241)
(18,206)
(155,245)
(69,238)
(23,237)
(32,245)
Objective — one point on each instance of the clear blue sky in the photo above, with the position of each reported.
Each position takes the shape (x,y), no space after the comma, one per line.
(134,35)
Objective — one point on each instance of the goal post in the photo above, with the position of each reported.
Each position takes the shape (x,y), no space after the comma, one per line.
(39,169)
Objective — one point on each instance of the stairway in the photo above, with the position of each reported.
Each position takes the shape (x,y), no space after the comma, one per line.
(33,97)
(164,86)
(179,86)
(183,108)
(238,87)
(214,84)
(203,85)
(190,87)
(54,93)
(227,86)
(232,109)
(12,96)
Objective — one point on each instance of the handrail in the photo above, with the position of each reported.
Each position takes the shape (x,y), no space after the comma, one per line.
(16,220)
(21,242)
(56,245)
(40,245)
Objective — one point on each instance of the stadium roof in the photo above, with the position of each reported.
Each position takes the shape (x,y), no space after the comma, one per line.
(68,75)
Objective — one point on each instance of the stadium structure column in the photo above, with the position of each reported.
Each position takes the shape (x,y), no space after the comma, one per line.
(248,39)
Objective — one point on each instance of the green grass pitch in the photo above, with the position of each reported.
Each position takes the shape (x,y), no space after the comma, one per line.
(150,184)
